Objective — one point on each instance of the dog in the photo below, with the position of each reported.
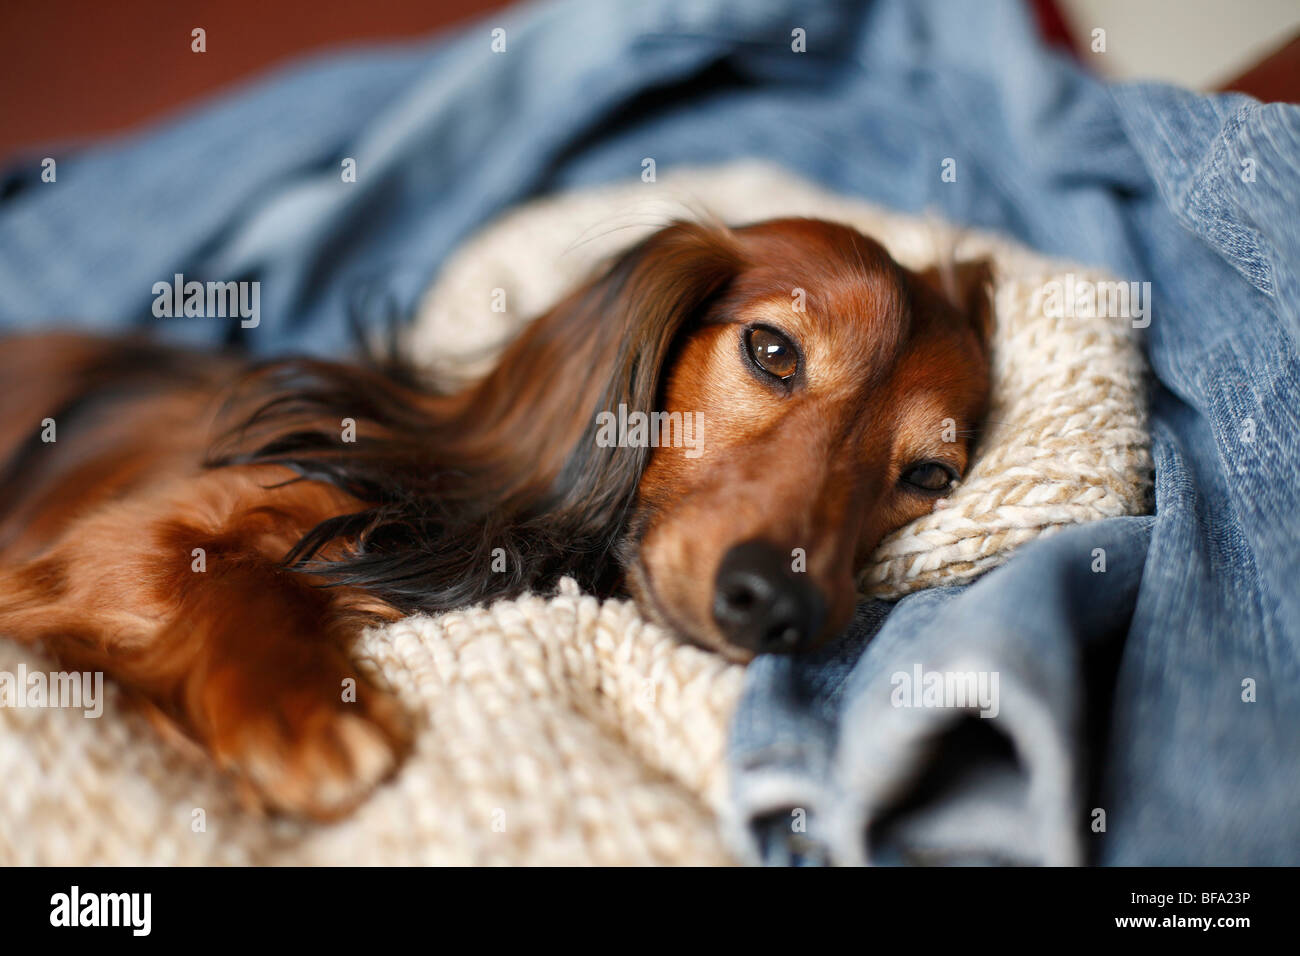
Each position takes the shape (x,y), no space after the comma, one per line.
(212,533)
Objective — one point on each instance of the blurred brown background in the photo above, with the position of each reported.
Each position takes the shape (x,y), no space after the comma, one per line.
(84,68)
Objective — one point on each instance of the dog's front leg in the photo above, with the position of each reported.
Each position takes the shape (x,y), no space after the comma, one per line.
(180,597)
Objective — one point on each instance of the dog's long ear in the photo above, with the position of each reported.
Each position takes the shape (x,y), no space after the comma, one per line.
(448,481)
(967,286)
(602,347)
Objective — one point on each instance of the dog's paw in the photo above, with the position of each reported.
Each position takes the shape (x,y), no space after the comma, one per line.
(310,749)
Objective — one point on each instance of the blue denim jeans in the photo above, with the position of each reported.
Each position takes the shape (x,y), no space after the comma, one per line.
(1164,692)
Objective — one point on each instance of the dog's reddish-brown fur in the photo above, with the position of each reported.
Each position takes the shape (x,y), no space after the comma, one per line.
(200,531)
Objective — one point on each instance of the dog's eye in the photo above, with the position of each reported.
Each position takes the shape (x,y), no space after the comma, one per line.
(772,352)
(930,477)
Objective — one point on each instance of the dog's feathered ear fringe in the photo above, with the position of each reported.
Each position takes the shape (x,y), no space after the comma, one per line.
(502,486)
(965,285)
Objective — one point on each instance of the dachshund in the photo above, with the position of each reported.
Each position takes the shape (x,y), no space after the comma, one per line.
(211,532)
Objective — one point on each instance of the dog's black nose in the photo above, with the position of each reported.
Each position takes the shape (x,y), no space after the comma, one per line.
(761,604)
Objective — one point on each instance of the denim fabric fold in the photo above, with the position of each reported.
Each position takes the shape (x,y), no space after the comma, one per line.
(893,778)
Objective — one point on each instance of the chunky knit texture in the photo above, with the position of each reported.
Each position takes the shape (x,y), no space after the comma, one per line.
(561,731)
(564,729)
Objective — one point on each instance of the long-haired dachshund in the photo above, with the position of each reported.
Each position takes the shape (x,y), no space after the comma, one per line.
(211,533)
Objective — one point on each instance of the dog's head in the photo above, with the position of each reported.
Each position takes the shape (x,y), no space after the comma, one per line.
(835,396)
(769,402)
